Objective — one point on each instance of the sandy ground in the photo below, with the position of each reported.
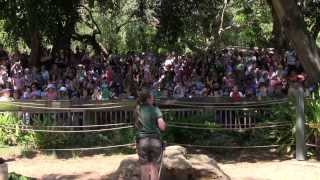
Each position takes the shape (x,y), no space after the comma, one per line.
(46,167)
(276,170)
(100,166)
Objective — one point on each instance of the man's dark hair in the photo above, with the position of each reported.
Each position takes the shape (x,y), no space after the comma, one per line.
(142,99)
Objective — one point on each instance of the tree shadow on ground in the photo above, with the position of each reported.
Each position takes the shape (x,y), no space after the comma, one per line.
(72,154)
(84,176)
(244,155)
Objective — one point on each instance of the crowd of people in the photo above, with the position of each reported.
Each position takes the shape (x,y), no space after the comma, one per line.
(77,75)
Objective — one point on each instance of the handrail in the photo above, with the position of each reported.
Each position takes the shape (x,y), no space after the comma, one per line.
(67,106)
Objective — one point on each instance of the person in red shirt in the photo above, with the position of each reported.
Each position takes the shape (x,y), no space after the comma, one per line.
(235,94)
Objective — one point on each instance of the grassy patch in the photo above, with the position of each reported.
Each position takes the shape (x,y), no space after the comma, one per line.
(7,106)
(12,151)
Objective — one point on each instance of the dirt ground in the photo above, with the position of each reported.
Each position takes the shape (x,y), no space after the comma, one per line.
(100,166)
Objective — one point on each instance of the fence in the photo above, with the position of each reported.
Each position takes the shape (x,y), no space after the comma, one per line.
(227,114)
(64,113)
(110,116)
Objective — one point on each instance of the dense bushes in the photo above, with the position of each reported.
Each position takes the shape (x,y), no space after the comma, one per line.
(11,133)
(223,137)
(313,121)
(285,136)
(10,130)
(14,176)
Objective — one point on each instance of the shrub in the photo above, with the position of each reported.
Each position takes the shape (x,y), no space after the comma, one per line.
(11,132)
(14,176)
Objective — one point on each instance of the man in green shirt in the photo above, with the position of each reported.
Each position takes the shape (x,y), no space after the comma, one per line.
(149,124)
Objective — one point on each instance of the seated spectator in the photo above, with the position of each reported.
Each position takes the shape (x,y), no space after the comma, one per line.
(105,92)
(96,96)
(63,93)
(258,73)
(179,91)
(35,92)
(26,94)
(51,93)
(235,94)
(5,95)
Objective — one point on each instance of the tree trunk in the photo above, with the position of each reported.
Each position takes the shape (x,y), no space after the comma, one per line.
(295,29)
(278,40)
(64,35)
(35,49)
(90,39)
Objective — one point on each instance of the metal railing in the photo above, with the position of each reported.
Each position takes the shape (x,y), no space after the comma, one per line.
(236,115)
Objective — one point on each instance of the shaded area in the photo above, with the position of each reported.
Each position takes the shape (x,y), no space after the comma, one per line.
(234,163)
(85,175)
(230,156)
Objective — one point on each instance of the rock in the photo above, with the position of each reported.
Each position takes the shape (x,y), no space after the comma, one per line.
(177,165)
(2,160)
(207,167)
(3,171)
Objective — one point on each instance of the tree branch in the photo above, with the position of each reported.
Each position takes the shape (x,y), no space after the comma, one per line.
(118,28)
(222,17)
(315,29)
(91,39)
(92,19)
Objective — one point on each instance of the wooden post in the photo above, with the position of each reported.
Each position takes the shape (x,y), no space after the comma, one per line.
(300,127)
(3,171)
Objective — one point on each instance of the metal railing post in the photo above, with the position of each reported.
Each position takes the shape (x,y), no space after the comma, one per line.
(300,127)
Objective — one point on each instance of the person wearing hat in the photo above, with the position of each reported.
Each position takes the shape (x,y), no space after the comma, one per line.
(5,95)
(149,124)
(51,92)
(63,93)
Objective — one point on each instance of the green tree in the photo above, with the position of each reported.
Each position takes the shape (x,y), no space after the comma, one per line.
(189,24)
(35,21)
(252,24)
(292,21)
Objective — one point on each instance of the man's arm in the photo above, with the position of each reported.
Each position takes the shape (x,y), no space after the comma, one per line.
(161,124)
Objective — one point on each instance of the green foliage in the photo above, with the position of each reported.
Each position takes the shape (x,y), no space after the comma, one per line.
(215,137)
(221,137)
(122,26)
(313,115)
(252,24)
(44,140)
(47,140)
(311,12)
(189,24)
(284,136)
(10,130)
(52,19)
(15,176)
(181,135)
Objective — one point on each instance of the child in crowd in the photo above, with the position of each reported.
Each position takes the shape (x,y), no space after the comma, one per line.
(82,76)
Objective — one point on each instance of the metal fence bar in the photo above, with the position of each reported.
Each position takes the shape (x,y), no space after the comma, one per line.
(232,116)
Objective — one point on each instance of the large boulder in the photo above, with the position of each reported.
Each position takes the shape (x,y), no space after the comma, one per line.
(3,171)
(177,165)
